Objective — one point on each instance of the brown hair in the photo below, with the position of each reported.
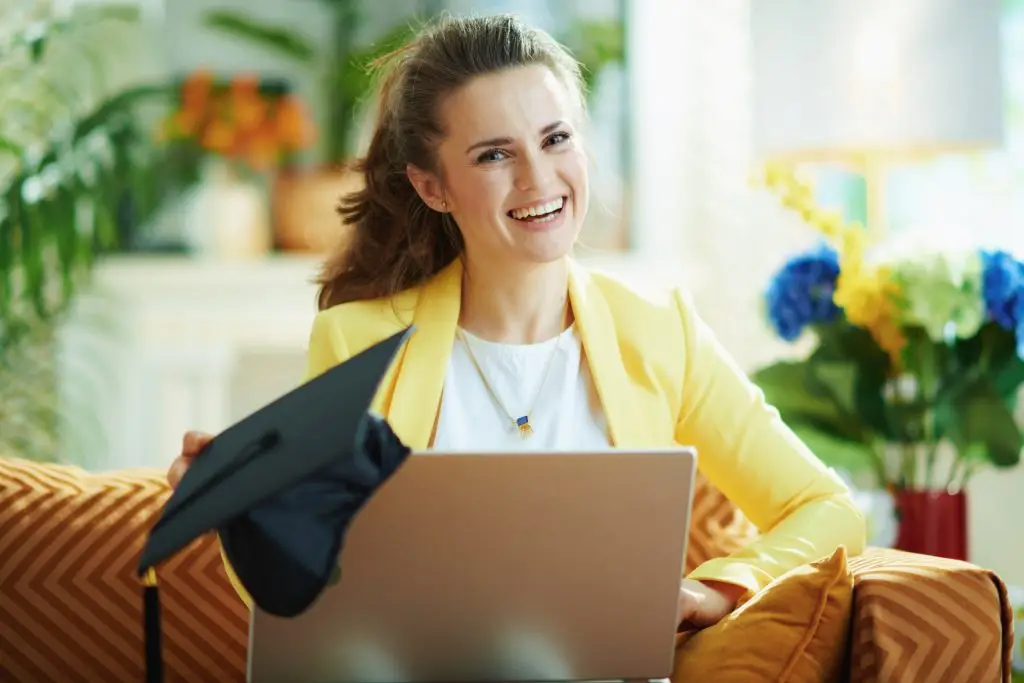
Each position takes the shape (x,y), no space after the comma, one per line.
(395,240)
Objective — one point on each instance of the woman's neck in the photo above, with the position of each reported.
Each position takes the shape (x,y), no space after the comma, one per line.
(516,305)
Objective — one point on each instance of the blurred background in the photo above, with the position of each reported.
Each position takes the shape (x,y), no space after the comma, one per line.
(169,172)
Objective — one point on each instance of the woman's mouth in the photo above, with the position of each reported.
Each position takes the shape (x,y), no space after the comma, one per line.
(539,213)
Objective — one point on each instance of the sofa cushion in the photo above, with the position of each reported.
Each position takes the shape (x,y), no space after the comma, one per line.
(70,602)
(928,619)
(793,631)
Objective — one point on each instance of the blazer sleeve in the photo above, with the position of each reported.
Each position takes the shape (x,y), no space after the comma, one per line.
(802,509)
(253,541)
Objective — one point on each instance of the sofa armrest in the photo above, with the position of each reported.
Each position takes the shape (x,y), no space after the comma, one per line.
(927,619)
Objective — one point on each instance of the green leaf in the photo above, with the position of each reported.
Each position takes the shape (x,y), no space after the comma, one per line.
(837,379)
(32,263)
(834,450)
(596,44)
(993,350)
(1004,365)
(787,386)
(11,147)
(117,105)
(845,343)
(240,25)
(980,417)
(7,246)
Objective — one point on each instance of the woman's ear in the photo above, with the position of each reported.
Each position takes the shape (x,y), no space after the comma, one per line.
(427,186)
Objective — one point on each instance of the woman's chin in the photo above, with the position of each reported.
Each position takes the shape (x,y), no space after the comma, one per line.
(549,246)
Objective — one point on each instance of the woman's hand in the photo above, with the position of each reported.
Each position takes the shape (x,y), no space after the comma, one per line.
(191,445)
(705,603)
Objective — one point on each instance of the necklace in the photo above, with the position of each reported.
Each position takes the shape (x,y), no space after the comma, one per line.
(522,423)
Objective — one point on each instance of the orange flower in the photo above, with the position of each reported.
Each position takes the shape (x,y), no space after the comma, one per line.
(261,151)
(186,121)
(245,86)
(237,121)
(249,114)
(218,137)
(294,127)
(196,89)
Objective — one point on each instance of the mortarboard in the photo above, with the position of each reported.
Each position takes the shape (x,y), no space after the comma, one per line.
(280,487)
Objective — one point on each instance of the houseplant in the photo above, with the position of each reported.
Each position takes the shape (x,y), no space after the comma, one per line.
(915,370)
(305,199)
(243,128)
(79,177)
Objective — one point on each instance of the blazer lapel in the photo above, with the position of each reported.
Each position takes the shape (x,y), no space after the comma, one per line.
(600,344)
(417,395)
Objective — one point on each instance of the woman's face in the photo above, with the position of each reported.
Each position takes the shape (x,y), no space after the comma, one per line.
(513,170)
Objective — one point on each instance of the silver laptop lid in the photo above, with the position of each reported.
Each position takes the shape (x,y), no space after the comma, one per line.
(499,567)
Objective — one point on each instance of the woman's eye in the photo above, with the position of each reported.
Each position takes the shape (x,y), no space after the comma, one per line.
(491,155)
(557,138)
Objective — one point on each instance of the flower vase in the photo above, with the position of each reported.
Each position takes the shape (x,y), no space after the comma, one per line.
(228,215)
(932,522)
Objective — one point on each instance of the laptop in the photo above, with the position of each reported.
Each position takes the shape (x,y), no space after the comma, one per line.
(545,567)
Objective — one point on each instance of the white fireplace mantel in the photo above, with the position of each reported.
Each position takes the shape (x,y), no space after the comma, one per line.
(153,345)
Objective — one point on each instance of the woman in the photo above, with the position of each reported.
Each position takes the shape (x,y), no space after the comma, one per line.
(476,190)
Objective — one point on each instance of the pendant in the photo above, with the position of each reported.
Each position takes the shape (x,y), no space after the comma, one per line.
(525,429)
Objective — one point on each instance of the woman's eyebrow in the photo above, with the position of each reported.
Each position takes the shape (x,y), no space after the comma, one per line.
(495,142)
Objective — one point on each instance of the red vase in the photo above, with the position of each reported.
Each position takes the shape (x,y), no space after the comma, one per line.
(932,523)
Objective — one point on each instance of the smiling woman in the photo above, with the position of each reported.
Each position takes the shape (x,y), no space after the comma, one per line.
(476,188)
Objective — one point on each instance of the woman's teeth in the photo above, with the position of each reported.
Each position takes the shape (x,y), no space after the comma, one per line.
(542,212)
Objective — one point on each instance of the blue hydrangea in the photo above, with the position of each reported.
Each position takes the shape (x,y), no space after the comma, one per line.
(1018,316)
(1003,288)
(800,293)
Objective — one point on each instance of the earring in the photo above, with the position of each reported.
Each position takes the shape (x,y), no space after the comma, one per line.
(444,205)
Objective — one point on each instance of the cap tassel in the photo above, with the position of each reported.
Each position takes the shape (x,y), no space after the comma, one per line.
(151,628)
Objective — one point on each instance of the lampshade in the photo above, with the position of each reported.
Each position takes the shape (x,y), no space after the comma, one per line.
(838,77)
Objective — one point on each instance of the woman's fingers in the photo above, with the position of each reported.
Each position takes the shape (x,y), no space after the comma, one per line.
(177,471)
(191,445)
(194,442)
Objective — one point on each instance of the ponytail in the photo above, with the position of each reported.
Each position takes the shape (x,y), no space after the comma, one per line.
(396,240)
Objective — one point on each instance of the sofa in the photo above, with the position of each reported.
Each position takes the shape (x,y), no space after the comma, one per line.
(71,605)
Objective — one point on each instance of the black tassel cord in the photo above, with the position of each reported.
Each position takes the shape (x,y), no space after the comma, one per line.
(151,628)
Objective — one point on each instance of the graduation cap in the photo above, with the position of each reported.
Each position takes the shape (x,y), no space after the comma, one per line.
(280,488)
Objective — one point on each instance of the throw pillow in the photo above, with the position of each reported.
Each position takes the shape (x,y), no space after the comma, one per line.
(793,631)
(70,599)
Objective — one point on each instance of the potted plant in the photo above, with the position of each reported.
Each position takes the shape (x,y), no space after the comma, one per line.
(243,129)
(305,199)
(915,369)
(79,177)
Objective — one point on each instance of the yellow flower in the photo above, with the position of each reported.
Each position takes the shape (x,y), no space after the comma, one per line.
(866,293)
(869,299)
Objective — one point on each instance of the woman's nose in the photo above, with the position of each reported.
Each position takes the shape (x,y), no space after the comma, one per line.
(532,172)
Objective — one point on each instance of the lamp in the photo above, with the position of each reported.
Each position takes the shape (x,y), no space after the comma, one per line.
(870,82)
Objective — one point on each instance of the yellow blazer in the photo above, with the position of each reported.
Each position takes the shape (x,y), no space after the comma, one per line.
(662,379)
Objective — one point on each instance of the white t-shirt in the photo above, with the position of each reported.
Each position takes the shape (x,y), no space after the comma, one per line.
(566,415)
